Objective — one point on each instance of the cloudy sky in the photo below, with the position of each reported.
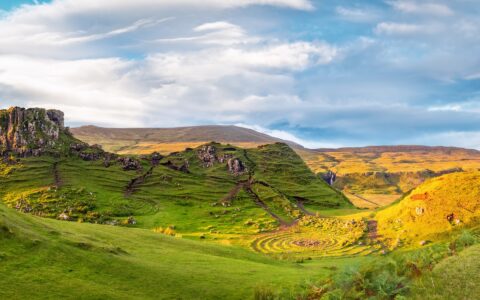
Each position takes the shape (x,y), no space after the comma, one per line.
(324,73)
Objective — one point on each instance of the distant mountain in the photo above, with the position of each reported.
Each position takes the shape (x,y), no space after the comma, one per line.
(167,140)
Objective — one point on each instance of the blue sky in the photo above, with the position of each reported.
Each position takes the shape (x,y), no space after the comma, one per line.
(322,73)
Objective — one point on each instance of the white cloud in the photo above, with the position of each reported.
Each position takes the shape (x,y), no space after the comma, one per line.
(284,135)
(463,139)
(356,14)
(391,28)
(468,107)
(422,7)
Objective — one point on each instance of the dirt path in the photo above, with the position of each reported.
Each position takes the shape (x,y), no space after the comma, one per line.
(233,192)
(365,199)
(247,186)
(373,235)
(56,175)
(302,208)
(372,226)
(136,182)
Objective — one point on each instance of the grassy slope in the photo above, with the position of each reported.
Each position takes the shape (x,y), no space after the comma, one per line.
(41,258)
(424,211)
(189,201)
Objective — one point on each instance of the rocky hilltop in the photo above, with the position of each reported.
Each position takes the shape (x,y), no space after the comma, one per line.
(31,131)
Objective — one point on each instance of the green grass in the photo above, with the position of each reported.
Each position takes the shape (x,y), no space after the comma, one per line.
(49,259)
(454,278)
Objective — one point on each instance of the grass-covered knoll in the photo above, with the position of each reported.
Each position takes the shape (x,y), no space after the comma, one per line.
(437,206)
(49,259)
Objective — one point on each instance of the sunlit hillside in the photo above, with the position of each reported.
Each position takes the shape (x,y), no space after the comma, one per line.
(438,206)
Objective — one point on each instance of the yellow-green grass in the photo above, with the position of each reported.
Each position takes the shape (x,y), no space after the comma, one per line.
(392,161)
(439,205)
(315,237)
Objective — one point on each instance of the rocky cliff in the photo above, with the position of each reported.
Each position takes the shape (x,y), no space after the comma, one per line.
(30,131)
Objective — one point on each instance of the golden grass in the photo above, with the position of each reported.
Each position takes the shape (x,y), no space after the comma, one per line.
(371,201)
(439,205)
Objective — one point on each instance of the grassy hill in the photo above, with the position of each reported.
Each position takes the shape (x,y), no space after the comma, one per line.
(208,218)
(275,188)
(438,206)
(371,177)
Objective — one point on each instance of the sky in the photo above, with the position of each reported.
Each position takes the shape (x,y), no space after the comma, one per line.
(321,73)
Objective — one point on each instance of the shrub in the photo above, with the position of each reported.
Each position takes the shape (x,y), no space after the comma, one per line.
(466,239)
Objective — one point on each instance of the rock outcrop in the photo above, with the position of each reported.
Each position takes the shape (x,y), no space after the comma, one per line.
(208,155)
(28,132)
(235,166)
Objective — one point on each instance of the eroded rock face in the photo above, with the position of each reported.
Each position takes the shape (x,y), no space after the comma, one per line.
(208,155)
(235,166)
(28,132)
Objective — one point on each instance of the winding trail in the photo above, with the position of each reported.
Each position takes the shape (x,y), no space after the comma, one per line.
(302,208)
(56,175)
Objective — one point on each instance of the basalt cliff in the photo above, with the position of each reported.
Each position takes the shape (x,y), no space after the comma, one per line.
(30,132)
